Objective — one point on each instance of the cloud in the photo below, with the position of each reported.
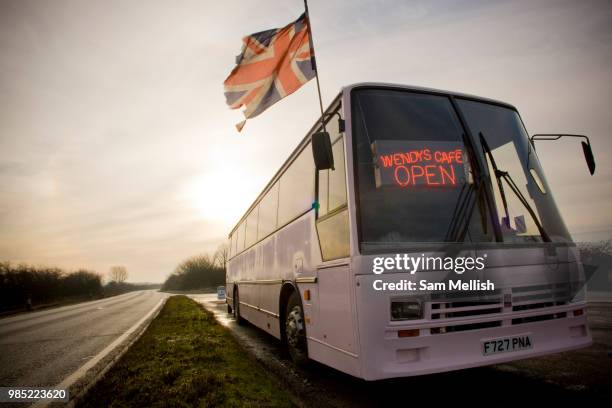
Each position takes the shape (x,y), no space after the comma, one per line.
(113,126)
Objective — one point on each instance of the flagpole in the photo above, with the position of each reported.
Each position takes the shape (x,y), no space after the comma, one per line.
(313,63)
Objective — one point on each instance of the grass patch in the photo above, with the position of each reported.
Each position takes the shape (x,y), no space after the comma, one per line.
(186,359)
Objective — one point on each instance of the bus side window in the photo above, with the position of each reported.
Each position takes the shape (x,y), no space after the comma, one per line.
(240,238)
(332,223)
(251,227)
(268,209)
(296,188)
(323,192)
(235,242)
(332,183)
(337,178)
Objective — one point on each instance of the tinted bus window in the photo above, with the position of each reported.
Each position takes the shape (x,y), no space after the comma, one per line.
(251,227)
(332,183)
(505,135)
(337,178)
(323,192)
(333,225)
(412,170)
(296,187)
(268,208)
(334,235)
(240,238)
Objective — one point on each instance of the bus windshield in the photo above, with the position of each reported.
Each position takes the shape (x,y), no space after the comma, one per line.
(525,207)
(414,178)
(417,182)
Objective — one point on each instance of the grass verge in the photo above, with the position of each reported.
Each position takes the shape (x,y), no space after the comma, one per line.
(186,359)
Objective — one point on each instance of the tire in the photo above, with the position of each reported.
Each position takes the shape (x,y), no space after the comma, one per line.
(236,308)
(295,330)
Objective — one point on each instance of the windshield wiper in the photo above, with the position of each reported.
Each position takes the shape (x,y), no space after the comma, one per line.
(504,175)
(464,209)
(462,214)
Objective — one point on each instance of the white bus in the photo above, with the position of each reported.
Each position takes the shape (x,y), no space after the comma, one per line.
(418,172)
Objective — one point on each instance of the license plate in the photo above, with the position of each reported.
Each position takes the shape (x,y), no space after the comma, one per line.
(506,344)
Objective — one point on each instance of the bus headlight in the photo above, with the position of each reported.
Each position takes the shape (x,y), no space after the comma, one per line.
(405,310)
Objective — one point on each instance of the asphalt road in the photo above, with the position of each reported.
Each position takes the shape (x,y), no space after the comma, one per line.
(573,377)
(43,348)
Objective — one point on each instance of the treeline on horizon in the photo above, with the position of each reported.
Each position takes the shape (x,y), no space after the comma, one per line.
(48,285)
(26,287)
(201,272)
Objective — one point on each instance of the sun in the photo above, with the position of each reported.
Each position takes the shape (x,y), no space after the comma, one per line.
(222,195)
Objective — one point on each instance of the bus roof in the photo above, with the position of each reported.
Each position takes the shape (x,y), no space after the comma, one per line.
(348,89)
(442,92)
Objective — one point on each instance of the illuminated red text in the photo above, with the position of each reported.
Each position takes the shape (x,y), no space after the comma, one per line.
(423,167)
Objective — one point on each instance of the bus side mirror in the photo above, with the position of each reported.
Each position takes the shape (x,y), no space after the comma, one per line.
(322,151)
(588,156)
(586,146)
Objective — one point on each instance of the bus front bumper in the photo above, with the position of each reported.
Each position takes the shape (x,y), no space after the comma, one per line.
(446,344)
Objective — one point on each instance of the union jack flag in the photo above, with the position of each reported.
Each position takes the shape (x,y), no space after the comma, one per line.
(273,64)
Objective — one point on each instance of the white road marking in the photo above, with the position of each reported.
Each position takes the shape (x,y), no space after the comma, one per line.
(80,372)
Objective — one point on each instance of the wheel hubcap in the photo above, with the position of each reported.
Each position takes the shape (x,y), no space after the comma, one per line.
(295,327)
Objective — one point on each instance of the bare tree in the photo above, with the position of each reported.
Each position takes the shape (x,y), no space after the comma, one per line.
(221,255)
(118,274)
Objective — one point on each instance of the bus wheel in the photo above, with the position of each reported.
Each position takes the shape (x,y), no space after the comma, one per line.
(236,308)
(295,331)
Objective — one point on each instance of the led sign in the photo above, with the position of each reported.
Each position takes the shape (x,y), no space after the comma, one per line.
(418,163)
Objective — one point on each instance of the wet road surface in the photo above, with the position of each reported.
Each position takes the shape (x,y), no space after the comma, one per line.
(571,377)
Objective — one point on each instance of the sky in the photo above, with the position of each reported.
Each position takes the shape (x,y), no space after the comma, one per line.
(117,148)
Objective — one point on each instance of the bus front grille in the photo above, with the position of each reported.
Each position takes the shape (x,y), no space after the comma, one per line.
(496,309)
(540,296)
